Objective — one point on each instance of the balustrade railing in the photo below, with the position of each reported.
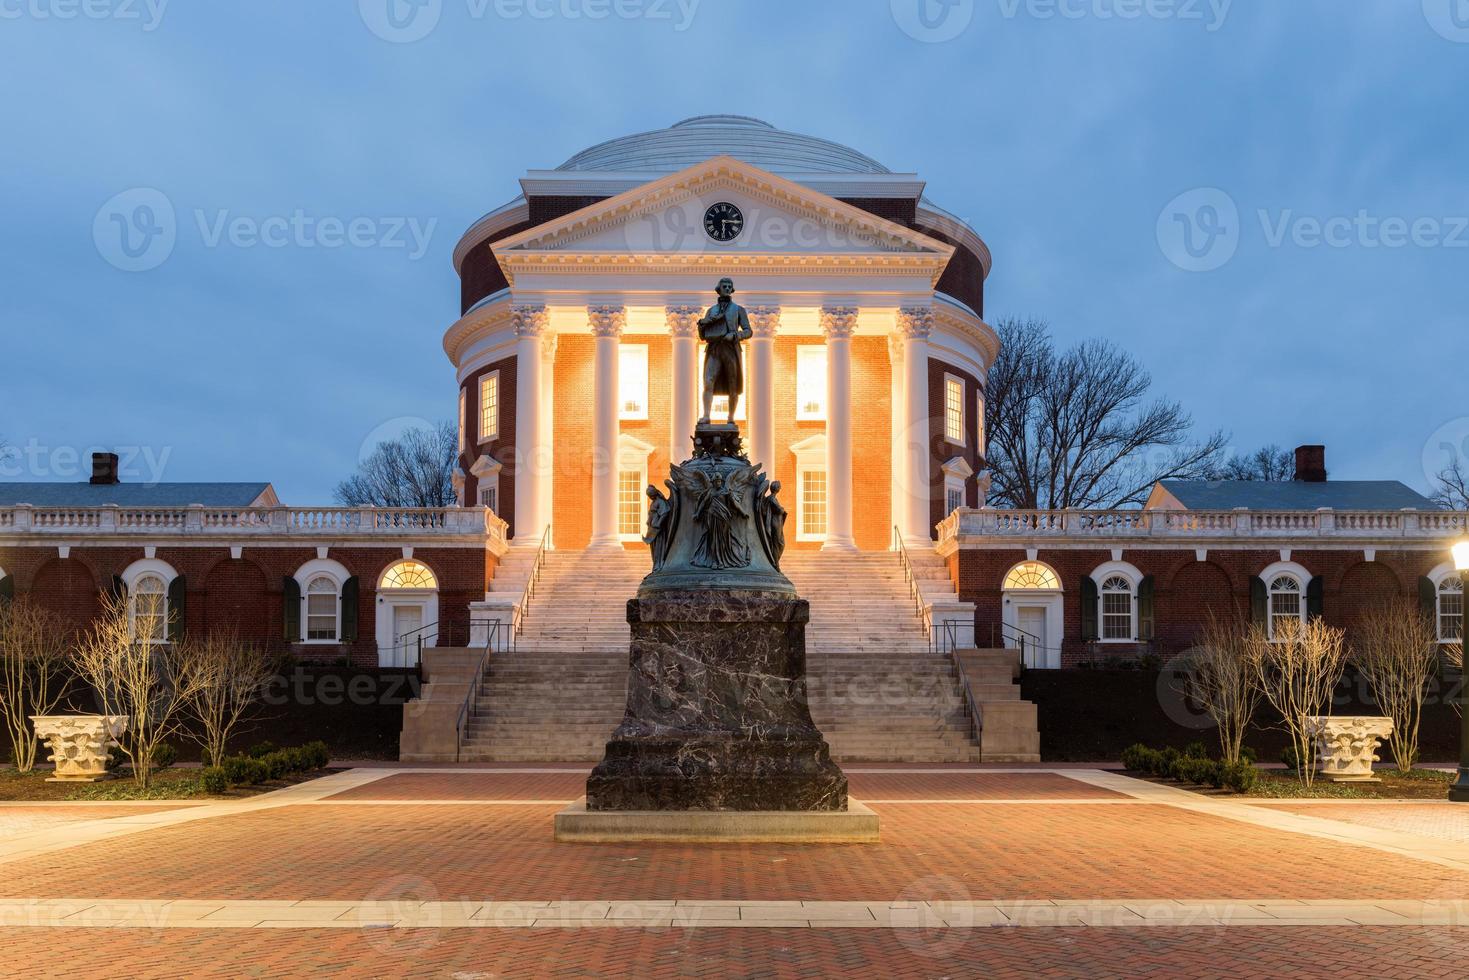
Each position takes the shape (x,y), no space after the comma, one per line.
(234,521)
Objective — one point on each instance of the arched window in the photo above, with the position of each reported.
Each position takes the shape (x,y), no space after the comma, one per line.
(323,606)
(1450,608)
(1034,576)
(409,574)
(148,608)
(1118,610)
(1287,603)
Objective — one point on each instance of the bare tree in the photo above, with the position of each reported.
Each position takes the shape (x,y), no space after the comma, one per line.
(1296,671)
(1078,429)
(33,672)
(1217,674)
(1268,464)
(1451,487)
(227,676)
(133,672)
(1396,648)
(414,470)
(1454,654)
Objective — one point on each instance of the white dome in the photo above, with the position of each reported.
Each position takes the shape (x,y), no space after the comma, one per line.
(695,140)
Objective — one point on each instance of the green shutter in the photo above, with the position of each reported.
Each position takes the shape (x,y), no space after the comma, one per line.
(350,593)
(178,609)
(291,609)
(7,588)
(1428,598)
(1145,608)
(116,589)
(1088,608)
(1315,598)
(1259,603)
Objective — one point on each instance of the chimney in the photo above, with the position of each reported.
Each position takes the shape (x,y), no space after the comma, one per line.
(1311,464)
(104,468)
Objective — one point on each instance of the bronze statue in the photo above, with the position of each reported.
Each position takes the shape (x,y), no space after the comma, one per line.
(770,519)
(662,519)
(720,513)
(722,329)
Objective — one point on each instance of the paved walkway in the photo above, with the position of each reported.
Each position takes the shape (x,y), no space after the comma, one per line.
(981,871)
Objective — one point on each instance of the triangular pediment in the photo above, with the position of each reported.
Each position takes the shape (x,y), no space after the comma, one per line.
(777,218)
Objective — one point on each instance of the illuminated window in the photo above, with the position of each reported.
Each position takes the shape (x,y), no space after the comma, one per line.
(979,423)
(1117,609)
(632,381)
(321,609)
(409,574)
(953,498)
(811,506)
(630,504)
(1034,576)
(953,409)
(811,381)
(148,608)
(1451,609)
(463,436)
(1287,603)
(489,407)
(721,402)
(489,496)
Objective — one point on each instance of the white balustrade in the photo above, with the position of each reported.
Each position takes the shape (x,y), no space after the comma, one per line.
(197,520)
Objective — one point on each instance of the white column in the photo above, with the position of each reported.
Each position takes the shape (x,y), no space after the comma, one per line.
(531,454)
(606,323)
(760,392)
(683,328)
(838,323)
(548,438)
(914,325)
(896,514)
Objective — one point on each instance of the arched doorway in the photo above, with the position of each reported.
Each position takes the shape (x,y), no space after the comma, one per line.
(1032,613)
(407,612)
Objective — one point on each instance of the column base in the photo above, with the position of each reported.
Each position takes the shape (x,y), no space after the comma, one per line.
(839,544)
(605,543)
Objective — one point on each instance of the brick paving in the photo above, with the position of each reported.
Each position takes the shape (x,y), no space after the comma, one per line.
(24,819)
(472,954)
(1441,821)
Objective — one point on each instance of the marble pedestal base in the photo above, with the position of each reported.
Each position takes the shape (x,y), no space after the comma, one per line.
(855,825)
(717,716)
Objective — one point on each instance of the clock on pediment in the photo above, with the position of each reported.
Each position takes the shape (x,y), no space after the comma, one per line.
(723,222)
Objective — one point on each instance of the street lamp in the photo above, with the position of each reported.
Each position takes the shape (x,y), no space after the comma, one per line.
(1459,792)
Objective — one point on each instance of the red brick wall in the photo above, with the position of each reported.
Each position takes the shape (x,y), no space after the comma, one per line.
(942,449)
(502,447)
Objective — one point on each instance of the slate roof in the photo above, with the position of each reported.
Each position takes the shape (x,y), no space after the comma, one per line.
(1296,495)
(132,494)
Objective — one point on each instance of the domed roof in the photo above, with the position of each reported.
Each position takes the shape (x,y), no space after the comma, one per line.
(695,140)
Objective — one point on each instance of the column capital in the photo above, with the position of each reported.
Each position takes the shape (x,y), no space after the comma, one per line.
(764,320)
(683,321)
(529,321)
(548,345)
(838,322)
(606,321)
(915,322)
(895,348)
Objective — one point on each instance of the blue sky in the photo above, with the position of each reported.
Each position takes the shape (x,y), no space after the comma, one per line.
(1064,131)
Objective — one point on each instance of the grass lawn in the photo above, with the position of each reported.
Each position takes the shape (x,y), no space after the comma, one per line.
(1419,784)
(169,784)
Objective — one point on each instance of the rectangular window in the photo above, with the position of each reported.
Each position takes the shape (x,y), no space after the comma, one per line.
(811,521)
(489,407)
(953,409)
(1116,615)
(630,504)
(1284,607)
(321,616)
(463,439)
(490,497)
(632,381)
(811,382)
(979,444)
(953,500)
(1450,615)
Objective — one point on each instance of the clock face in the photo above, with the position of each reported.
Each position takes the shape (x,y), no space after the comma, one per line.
(723,222)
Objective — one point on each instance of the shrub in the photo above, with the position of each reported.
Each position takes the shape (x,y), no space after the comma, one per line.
(261,749)
(277,764)
(1165,760)
(256,772)
(164,755)
(1291,758)
(206,758)
(1241,777)
(214,780)
(236,769)
(115,758)
(1196,750)
(317,755)
(1135,756)
(1247,754)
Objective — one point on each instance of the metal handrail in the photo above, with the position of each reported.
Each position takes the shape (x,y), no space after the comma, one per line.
(912,578)
(472,695)
(1022,635)
(530,583)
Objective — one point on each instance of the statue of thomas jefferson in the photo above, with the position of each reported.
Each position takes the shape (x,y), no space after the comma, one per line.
(722,329)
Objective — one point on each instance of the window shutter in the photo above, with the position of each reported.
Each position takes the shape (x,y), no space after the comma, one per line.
(116,590)
(1145,608)
(1088,608)
(291,608)
(350,592)
(1259,602)
(7,588)
(1427,598)
(177,608)
(1315,595)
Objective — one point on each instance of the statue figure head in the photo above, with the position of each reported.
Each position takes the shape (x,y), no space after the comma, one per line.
(774,487)
(725,289)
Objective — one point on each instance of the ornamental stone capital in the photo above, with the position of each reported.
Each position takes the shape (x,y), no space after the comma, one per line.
(529,321)
(764,320)
(683,321)
(838,322)
(606,321)
(548,345)
(915,322)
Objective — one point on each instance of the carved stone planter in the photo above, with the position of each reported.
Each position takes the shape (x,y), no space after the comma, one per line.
(79,744)
(1346,747)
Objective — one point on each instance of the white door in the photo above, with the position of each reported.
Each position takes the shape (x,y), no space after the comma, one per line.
(1032,622)
(406,620)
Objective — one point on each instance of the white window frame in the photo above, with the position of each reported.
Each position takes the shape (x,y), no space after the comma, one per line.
(489,494)
(632,457)
(1270,576)
(1439,576)
(307,614)
(810,456)
(637,353)
(950,380)
(810,352)
(318,568)
(957,473)
(463,418)
(489,422)
(980,445)
(139,570)
(1132,576)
